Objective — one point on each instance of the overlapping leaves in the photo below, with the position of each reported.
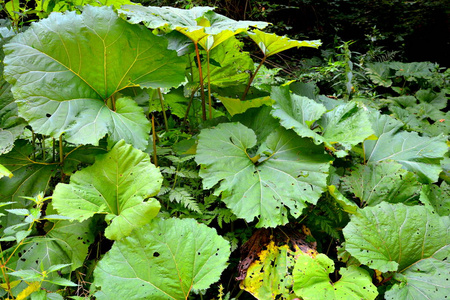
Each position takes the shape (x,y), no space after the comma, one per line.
(115,185)
(346,124)
(284,173)
(64,84)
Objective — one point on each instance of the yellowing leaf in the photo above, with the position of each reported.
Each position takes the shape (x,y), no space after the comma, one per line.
(236,106)
(32,287)
(269,277)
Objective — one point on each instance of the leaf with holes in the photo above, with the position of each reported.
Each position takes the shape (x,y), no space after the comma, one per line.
(312,281)
(116,185)
(418,154)
(284,174)
(166,259)
(383,181)
(66,71)
(394,237)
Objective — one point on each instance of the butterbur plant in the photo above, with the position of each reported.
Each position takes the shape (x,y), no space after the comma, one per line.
(139,159)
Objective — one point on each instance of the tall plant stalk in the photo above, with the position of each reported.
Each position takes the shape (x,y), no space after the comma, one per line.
(247,88)
(200,74)
(161,100)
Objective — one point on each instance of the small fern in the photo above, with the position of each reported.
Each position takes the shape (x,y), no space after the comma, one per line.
(182,196)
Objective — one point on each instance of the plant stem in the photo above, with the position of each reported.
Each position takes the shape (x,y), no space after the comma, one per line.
(188,108)
(155,159)
(163,110)
(43,148)
(209,86)
(200,74)
(247,88)
(34,144)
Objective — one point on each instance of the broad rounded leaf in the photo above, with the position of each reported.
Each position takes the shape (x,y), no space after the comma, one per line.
(271,44)
(312,281)
(393,237)
(165,259)
(383,181)
(286,172)
(67,69)
(420,155)
(200,24)
(115,185)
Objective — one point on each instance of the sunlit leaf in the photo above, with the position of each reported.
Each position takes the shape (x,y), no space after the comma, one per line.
(67,85)
(271,44)
(166,259)
(116,185)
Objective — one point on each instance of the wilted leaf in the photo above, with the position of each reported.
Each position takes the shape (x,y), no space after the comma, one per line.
(66,71)
(284,173)
(116,185)
(166,259)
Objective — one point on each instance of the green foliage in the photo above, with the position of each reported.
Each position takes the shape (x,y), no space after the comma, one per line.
(134,158)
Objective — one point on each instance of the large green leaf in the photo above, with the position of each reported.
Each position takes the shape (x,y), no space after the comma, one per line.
(427,279)
(166,259)
(271,44)
(346,124)
(115,185)
(286,172)
(67,69)
(197,23)
(312,281)
(394,237)
(383,181)
(421,155)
